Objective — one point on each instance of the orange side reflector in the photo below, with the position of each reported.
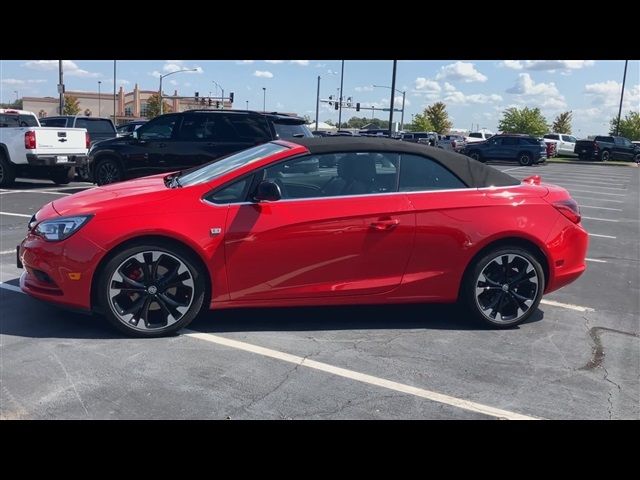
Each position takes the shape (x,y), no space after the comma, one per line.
(74,275)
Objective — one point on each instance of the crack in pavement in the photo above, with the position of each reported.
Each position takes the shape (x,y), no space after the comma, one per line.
(73,385)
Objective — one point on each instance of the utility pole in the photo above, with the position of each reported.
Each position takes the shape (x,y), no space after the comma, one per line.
(60,86)
(318,103)
(340,97)
(393,91)
(99,99)
(247,104)
(624,79)
(404,94)
(264,99)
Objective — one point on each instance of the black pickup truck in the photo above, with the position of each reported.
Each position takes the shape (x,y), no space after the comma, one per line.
(607,148)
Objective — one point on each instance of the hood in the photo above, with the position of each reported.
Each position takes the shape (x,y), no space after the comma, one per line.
(130,194)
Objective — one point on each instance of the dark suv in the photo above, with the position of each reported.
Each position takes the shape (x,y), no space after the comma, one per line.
(525,149)
(178,141)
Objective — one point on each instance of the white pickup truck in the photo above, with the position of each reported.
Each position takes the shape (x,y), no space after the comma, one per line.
(29,150)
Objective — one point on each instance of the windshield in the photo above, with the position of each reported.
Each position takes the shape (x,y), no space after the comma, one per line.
(8,120)
(217,168)
(292,130)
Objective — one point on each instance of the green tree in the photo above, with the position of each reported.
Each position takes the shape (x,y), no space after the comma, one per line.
(330,122)
(421,123)
(562,123)
(438,117)
(526,120)
(71,105)
(629,126)
(153,106)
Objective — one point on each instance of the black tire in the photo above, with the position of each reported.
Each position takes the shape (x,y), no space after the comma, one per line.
(605,155)
(476,155)
(164,318)
(83,174)
(477,293)
(525,159)
(108,170)
(7,172)
(62,176)
(636,158)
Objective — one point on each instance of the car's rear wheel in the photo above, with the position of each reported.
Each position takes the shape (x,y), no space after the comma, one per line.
(476,155)
(108,170)
(62,176)
(605,156)
(504,287)
(524,159)
(151,290)
(7,172)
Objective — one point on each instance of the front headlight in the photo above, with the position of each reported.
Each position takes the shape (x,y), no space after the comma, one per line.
(61,228)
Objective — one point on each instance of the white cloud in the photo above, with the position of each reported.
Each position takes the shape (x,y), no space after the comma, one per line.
(274,61)
(320,65)
(119,81)
(279,106)
(302,63)
(366,88)
(263,74)
(244,62)
(18,81)
(547,65)
(607,95)
(460,98)
(426,85)
(461,71)
(70,68)
(544,95)
(173,82)
(448,87)
(175,65)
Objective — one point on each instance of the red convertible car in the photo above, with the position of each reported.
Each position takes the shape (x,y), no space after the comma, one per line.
(320,221)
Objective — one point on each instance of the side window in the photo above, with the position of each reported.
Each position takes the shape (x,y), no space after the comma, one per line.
(421,173)
(509,141)
(198,127)
(160,128)
(224,131)
(95,126)
(528,141)
(495,141)
(335,174)
(250,128)
(232,193)
(569,138)
(54,122)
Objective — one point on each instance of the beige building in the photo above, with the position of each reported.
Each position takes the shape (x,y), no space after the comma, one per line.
(129,106)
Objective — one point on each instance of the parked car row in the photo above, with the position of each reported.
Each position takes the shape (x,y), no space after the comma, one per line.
(606,148)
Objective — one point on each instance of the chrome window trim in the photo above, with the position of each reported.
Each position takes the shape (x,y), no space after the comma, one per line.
(478,189)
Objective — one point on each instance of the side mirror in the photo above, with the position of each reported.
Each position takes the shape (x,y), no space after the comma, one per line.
(267,191)
(134,135)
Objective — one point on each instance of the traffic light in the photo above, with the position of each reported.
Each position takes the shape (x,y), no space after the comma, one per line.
(209,102)
(217,104)
(336,105)
(197,94)
(358,107)
(231,97)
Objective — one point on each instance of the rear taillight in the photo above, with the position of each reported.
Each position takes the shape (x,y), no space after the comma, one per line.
(569,208)
(595,145)
(87,140)
(30,140)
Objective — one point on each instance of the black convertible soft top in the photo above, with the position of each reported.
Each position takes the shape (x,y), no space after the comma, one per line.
(471,172)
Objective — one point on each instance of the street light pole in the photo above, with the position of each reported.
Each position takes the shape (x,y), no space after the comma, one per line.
(61,86)
(624,79)
(264,99)
(99,99)
(166,75)
(16,92)
(404,93)
(393,92)
(221,89)
(115,121)
(318,103)
(247,104)
(340,97)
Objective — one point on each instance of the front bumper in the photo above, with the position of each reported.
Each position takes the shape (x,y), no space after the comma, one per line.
(56,160)
(59,272)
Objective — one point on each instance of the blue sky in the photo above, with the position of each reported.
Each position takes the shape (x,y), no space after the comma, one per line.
(476,92)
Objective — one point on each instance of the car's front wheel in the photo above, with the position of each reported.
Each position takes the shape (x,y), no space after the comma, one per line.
(504,287)
(476,155)
(151,290)
(525,159)
(107,171)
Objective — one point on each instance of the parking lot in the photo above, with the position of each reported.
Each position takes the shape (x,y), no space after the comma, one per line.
(577,358)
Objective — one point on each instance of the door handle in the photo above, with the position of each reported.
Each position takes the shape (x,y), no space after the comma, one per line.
(385,224)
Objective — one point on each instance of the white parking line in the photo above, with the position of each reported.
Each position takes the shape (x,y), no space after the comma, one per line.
(570,306)
(510,169)
(34,191)
(602,208)
(582,183)
(360,377)
(595,186)
(595,193)
(7,252)
(600,219)
(602,236)
(16,214)
(595,260)
(599,199)
(13,288)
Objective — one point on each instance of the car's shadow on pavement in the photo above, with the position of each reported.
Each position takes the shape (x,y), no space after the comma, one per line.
(26,317)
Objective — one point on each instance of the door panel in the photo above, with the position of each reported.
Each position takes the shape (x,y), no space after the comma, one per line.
(321,247)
